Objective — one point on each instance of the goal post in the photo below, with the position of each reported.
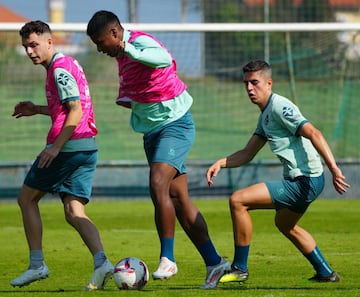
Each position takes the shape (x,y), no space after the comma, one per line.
(206,27)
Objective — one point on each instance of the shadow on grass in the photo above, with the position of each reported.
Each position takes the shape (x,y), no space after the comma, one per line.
(16,291)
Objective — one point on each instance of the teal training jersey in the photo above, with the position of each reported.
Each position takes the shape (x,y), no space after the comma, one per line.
(279,124)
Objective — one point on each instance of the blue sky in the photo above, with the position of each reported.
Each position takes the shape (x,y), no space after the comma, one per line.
(149,11)
(80,11)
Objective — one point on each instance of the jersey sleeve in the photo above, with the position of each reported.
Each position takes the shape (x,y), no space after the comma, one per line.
(66,84)
(290,116)
(147,51)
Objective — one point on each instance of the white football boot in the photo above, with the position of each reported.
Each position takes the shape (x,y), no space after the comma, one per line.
(166,269)
(31,275)
(100,276)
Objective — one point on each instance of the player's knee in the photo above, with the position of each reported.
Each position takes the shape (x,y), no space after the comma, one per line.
(157,182)
(28,197)
(235,202)
(69,216)
(21,201)
(281,228)
(284,227)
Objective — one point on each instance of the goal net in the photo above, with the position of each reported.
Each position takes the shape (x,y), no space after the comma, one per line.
(314,64)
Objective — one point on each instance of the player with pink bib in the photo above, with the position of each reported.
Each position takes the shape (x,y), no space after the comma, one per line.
(160,107)
(66,165)
(62,68)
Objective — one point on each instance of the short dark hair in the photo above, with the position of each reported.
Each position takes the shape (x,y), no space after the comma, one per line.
(100,21)
(257,65)
(37,27)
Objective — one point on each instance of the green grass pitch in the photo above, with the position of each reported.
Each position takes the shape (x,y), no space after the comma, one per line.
(127,229)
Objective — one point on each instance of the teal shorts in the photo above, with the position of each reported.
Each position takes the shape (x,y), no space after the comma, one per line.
(171,143)
(295,194)
(70,173)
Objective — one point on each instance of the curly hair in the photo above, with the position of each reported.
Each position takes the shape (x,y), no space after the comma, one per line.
(100,21)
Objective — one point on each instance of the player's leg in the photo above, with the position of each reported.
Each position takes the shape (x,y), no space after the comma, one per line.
(196,228)
(78,183)
(166,153)
(75,215)
(166,149)
(28,202)
(161,175)
(188,214)
(253,197)
(286,221)
(296,196)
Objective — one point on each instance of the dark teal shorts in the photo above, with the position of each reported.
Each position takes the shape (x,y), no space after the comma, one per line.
(172,143)
(69,173)
(295,194)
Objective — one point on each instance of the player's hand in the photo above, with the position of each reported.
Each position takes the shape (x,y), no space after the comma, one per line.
(122,46)
(24,108)
(47,156)
(339,181)
(212,172)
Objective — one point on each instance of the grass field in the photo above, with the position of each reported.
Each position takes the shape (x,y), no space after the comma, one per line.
(127,229)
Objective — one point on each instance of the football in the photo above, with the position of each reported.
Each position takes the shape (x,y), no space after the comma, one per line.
(131,274)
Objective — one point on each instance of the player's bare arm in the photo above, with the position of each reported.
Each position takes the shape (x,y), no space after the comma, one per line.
(236,159)
(323,148)
(72,120)
(244,156)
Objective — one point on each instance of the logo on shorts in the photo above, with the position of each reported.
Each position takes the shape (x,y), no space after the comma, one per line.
(281,191)
(171,152)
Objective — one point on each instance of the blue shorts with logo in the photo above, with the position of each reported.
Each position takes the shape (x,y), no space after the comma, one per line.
(171,143)
(69,173)
(295,194)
